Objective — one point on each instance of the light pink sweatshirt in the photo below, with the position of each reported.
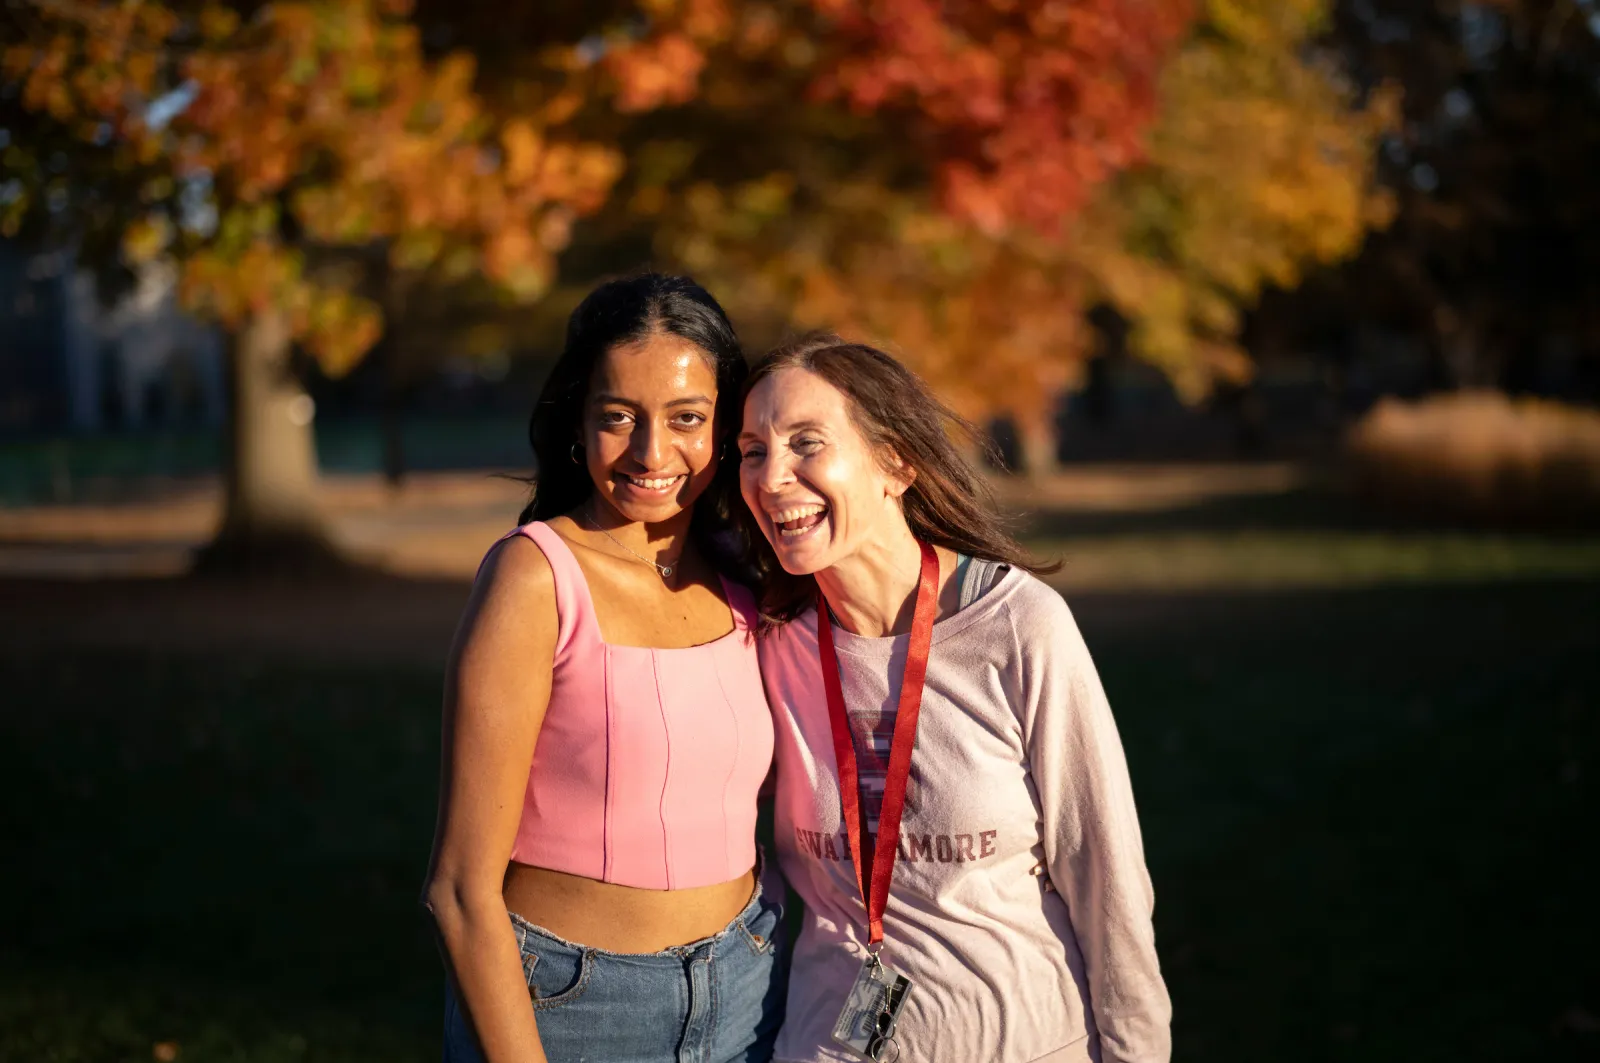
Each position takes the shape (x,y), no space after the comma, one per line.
(1020,905)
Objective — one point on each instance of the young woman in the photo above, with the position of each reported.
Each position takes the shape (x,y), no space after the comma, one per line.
(595,880)
(940,727)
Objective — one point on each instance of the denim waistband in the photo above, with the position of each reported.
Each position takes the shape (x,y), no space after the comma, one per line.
(675,952)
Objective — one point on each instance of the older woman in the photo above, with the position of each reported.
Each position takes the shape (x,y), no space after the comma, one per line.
(953,804)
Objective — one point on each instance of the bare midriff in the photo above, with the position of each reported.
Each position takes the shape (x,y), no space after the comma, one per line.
(604,915)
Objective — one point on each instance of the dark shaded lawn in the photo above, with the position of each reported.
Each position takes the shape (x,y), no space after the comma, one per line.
(1370,817)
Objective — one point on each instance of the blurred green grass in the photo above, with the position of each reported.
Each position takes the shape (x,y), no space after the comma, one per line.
(1369,813)
(1313,537)
(69,469)
(1272,559)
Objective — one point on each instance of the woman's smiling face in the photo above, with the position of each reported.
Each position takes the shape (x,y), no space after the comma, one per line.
(649,437)
(815,484)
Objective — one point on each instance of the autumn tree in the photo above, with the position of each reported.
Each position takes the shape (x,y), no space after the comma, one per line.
(793,152)
(313,169)
(1264,165)
(958,180)
(279,158)
(905,170)
(1258,164)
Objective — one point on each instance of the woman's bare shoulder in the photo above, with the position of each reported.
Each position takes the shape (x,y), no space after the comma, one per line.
(518,563)
(515,594)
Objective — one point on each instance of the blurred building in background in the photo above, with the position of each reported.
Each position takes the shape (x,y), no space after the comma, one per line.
(73,363)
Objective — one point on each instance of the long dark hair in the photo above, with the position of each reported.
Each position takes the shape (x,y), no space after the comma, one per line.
(948,503)
(618,312)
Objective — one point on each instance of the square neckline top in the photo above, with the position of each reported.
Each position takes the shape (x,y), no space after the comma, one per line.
(581,586)
(649,759)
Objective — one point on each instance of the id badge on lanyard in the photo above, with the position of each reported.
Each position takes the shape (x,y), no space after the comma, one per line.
(866,1024)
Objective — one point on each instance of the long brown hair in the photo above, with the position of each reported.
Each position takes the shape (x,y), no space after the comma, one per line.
(948,503)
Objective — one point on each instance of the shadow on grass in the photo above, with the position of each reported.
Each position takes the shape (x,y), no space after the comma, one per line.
(1367,814)
(1367,817)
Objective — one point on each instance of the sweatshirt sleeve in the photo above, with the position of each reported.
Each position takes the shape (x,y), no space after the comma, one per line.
(1092,844)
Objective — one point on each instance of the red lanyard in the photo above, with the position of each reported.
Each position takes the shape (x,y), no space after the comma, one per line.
(876,896)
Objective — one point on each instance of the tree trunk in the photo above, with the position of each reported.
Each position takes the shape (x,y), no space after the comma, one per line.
(272,522)
(397,370)
(1039,445)
(1099,396)
(391,423)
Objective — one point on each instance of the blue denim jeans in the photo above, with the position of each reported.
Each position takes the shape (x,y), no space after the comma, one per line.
(716,1000)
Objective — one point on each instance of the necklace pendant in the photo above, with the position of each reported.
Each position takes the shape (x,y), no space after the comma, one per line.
(666,571)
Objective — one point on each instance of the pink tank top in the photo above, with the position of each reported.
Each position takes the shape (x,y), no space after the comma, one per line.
(647,766)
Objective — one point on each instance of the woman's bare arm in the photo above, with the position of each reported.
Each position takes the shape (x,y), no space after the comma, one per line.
(496,691)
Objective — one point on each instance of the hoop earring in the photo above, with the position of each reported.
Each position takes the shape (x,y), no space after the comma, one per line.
(573,454)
